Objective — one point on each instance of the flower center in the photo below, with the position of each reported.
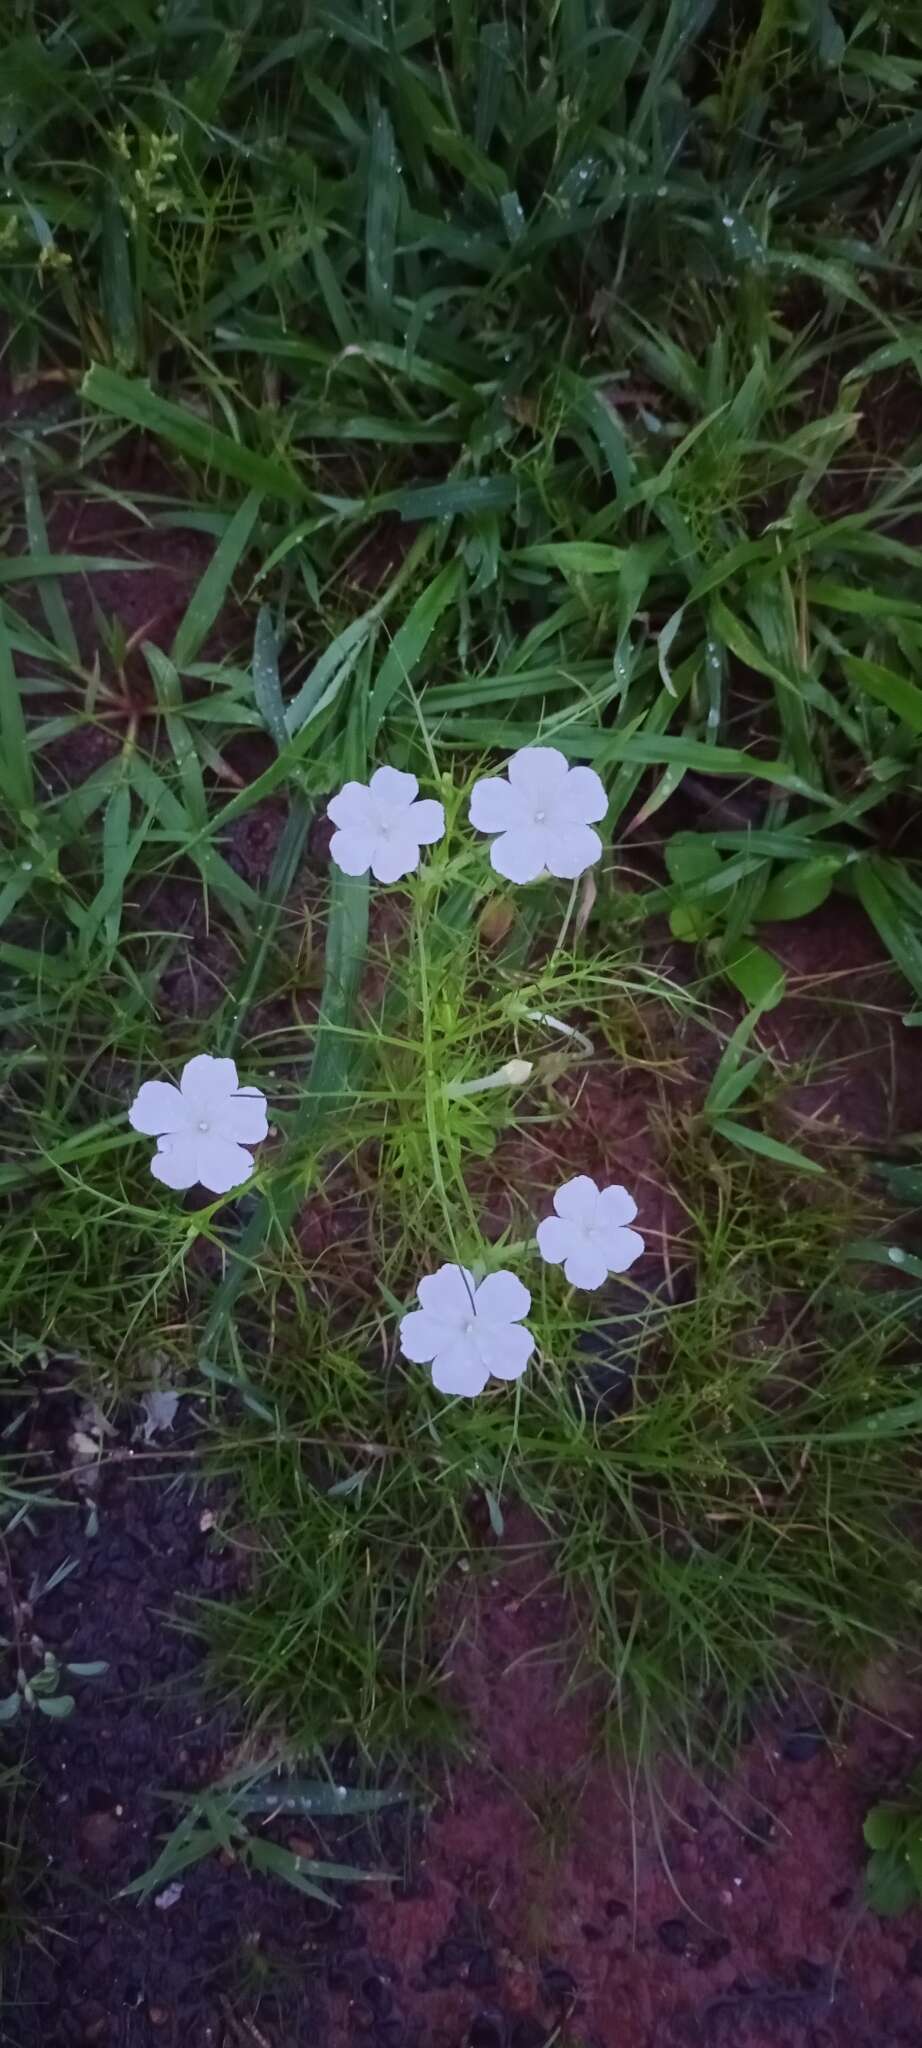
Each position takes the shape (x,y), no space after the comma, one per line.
(204,1124)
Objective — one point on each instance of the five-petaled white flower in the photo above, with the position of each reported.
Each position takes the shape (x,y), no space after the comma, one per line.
(588,1235)
(381,826)
(202,1127)
(468,1332)
(543,814)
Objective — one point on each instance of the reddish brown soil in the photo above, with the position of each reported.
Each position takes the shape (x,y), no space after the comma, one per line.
(543,1900)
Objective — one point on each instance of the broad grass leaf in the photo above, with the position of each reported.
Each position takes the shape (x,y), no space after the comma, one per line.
(753,1140)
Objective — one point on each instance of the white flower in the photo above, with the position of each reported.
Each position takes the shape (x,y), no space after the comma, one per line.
(544,815)
(202,1126)
(468,1332)
(381,826)
(587,1237)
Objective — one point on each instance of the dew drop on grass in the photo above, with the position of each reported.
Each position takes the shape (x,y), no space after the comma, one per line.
(896,1254)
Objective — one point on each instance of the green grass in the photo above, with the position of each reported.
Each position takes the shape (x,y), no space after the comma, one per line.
(543,375)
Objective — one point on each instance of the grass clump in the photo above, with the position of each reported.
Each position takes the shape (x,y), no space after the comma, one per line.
(733,1510)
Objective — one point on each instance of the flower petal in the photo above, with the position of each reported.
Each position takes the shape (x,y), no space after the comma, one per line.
(494,807)
(501,1298)
(206,1082)
(158,1108)
(353,849)
(428,821)
(616,1206)
(393,790)
(352,808)
(622,1248)
(459,1370)
(448,1294)
(555,1238)
(582,800)
(175,1162)
(577,1200)
(572,850)
(539,772)
(397,855)
(586,1265)
(422,1336)
(222,1165)
(506,1349)
(522,855)
(244,1117)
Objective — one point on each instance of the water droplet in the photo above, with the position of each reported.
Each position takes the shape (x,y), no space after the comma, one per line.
(898,1257)
(728,220)
(26,866)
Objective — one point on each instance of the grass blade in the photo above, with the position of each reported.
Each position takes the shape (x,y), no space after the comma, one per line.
(267,689)
(132,400)
(16,778)
(410,642)
(50,593)
(753,1140)
(209,596)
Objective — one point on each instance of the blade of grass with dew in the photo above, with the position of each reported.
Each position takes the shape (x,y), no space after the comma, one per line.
(267,688)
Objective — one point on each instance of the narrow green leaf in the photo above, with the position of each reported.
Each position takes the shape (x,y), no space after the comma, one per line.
(900,695)
(131,399)
(209,595)
(16,779)
(117,284)
(381,220)
(410,642)
(768,1148)
(33,567)
(573,557)
(330,672)
(51,596)
(901,937)
(267,689)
